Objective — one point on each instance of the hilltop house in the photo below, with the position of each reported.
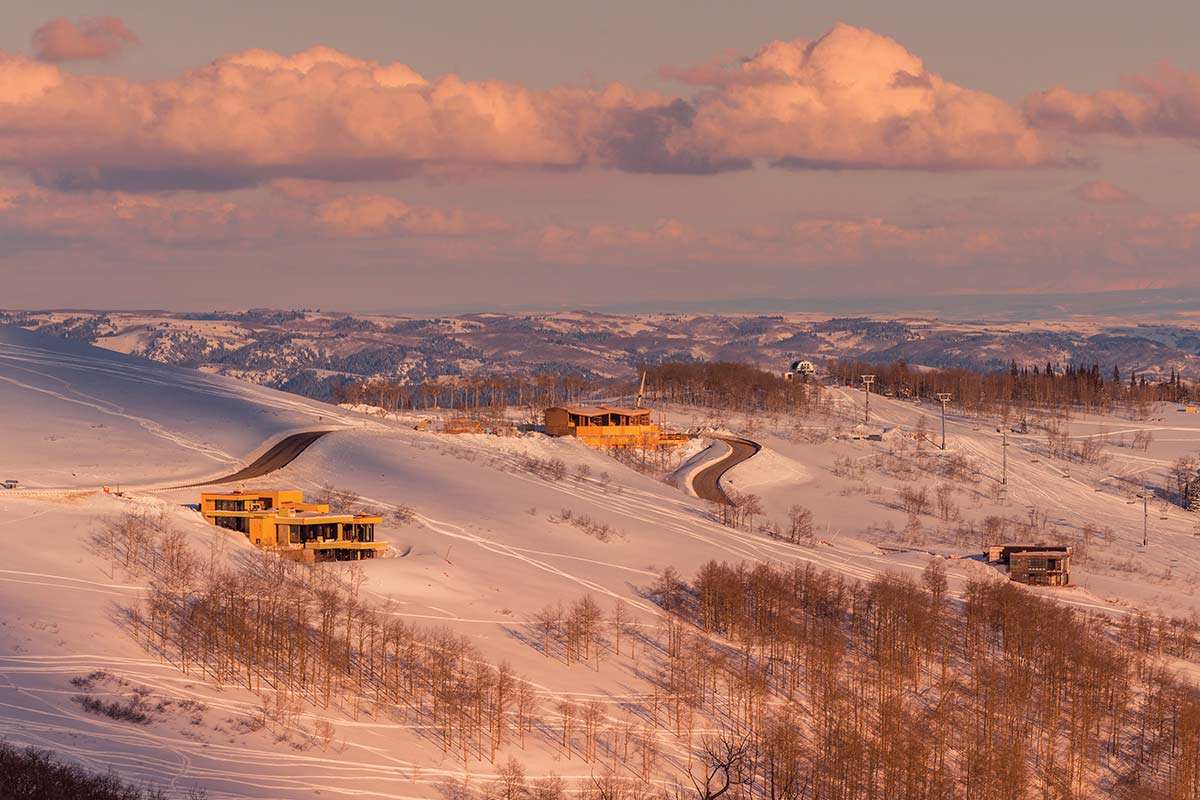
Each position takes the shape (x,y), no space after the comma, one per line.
(283,522)
(607,427)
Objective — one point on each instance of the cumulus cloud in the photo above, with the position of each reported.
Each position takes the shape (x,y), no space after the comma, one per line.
(1165,103)
(854,98)
(89,38)
(850,99)
(257,116)
(1103,192)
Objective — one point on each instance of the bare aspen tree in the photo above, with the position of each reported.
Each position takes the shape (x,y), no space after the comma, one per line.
(547,621)
(325,732)
(947,510)
(800,525)
(550,787)
(504,690)
(593,715)
(588,615)
(527,708)
(567,712)
(724,764)
(620,621)
(511,781)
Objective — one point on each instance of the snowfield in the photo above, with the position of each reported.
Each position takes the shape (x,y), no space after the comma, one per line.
(490,544)
(79,416)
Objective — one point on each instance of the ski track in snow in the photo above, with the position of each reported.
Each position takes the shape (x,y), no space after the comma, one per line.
(1061,493)
(33,362)
(181,761)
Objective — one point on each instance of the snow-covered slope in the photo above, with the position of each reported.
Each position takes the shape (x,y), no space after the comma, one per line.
(493,540)
(73,415)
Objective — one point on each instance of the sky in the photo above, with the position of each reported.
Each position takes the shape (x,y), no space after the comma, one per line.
(413,156)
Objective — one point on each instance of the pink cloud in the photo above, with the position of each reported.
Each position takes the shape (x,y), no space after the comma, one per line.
(122,219)
(1103,192)
(851,99)
(1087,252)
(1165,103)
(1079,252)
(717,71)
(375,216)
(854,98)
(90,38)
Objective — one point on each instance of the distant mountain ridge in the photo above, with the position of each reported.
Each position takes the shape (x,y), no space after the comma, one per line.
(309,352)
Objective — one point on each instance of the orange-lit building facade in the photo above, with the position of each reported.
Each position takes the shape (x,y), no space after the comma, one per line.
(283,522)
(607,427)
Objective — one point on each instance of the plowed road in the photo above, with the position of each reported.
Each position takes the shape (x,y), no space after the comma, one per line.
(279,456)
(707,482)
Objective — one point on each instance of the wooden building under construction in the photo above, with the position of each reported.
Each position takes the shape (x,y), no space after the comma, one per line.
(281,521)
(1034,564)
(609,427)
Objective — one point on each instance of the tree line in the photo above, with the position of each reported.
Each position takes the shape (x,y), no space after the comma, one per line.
(1020,389)
(33,774)
(481,393)
(720,385)
(740,387)
(762,680)
(729,386)
(892,688)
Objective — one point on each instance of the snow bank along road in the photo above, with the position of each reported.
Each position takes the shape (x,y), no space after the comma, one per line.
(282,453)
(707,482)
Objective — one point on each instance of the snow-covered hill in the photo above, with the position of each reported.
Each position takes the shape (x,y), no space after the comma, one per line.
(81,416)
(494,538)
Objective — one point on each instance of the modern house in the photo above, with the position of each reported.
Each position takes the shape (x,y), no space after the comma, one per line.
(607,427)
(283,522)
(1034,564)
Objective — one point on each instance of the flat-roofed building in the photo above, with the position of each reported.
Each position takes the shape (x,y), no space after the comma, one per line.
(1034,564)
(1041,567)
(283,522)
(605,427)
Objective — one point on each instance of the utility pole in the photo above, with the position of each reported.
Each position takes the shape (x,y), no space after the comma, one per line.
(867,381)
(945,398)
(1004,453)
(1145,495)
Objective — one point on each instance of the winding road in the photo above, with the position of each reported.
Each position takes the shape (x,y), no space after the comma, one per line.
(707,482)
(282,453)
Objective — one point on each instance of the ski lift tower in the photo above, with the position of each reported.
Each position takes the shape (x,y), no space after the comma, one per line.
(944,397)
(1004,455)
(1145,496)
(867,381)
